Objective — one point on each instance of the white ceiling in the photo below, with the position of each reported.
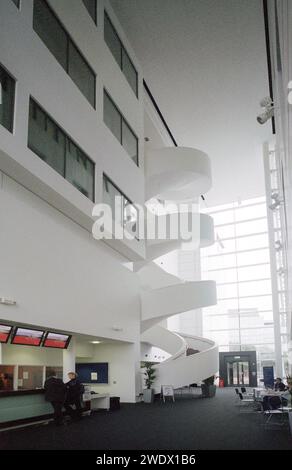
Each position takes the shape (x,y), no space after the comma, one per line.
(205,63)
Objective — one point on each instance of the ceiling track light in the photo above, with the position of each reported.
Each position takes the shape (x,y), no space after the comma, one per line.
(274,206)
(278,245)
(275,196)
(276,201)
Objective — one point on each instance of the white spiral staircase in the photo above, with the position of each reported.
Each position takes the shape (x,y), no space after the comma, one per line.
(176,174)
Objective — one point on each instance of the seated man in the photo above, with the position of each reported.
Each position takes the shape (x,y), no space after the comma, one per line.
(279,386)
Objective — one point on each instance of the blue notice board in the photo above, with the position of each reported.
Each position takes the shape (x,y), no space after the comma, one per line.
(93,372)
(268,372)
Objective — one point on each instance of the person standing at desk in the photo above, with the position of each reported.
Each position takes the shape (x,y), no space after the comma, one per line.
(279,386)
(75,389)
(55,393)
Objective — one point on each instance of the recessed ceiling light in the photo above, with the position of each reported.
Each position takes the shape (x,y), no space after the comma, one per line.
(95,342)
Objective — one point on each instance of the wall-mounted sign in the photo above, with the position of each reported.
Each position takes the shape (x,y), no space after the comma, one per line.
(92,372)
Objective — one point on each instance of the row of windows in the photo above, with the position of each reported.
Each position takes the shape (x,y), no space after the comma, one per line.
(119,52)
(48,141)
(119,127)
(57,40)
(62,47)
(56,148)
(52,145)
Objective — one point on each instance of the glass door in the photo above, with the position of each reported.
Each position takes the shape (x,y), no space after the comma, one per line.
(238,373)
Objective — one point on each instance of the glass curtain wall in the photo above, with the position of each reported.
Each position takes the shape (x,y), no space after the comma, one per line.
(239,262)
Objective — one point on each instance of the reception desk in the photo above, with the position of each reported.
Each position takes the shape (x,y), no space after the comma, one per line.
(20,406)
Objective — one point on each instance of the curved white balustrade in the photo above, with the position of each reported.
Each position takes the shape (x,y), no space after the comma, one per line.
(158,304)
(180,370)
(172,343)
(184,370)
(177,173)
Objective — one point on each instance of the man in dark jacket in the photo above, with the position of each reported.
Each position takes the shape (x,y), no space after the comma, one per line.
(75,389)
(279,386)
(55,393)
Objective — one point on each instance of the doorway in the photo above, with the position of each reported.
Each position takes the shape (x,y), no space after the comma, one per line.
(237,373)
(238,369)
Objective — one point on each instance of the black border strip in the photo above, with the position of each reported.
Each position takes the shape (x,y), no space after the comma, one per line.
(159,113)
(269,62)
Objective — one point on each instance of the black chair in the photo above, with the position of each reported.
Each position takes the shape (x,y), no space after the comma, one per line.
(272,406)
(245,403)
(243,390)
(274,403)
(236,391)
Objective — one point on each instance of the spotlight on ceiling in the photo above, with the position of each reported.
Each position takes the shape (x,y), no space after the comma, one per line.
(274,205)
(275,196)
(268,113)
(278,245)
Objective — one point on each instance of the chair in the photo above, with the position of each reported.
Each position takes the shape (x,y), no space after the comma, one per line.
(245,403)
(273,406)
(237,394)
(245,392)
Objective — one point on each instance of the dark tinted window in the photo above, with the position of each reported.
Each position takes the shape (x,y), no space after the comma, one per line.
(57,40)
(56,148)
(7,93)
(91,7)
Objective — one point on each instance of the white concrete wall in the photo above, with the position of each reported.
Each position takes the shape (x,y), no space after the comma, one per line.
(64,280)
(60,277)
(124,370)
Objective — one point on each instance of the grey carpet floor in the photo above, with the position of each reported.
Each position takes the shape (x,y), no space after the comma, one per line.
(191,423)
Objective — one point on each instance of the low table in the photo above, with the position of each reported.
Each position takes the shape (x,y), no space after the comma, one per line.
(100,401)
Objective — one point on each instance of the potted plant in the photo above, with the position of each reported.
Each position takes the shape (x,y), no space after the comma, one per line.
(208,387)
(149,373)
